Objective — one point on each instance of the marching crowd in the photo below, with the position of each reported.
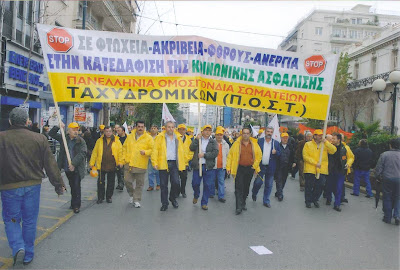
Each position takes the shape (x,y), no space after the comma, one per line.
(169,155)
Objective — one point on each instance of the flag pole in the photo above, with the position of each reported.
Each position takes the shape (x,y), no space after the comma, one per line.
(199,130)
(62,131)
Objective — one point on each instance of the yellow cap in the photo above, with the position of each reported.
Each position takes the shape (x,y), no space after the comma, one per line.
(261,131)
(163,127)
(206,126)
(219,131)
(221,127)
(73,125)
(318,132)
(284,134)
(181,126)
(102,127)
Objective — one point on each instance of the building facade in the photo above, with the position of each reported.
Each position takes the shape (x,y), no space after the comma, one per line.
(17,28)
(373,59)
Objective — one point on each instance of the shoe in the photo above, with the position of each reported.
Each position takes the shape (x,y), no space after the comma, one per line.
(316,204)
(99,201)
(194,200)
(211,197)
(222,200)
(150,189)
(254,197)
(301,189)
(397,221)
(174,203)
(109,200)
(204,207)
(369,196)
(354,194)
(276,195)
(76,210)
(280,199)
(136,204)
(238,211)
(26,263)
(308,205)
(267,205)
(345,200)
(164,208)
(119,188)
(19,256)
(244,208)
(130,200)
(184,195)
(328,202)
(386,221)
(158,187)
(337,208)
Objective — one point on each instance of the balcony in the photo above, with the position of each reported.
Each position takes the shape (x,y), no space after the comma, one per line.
(344,39)
(366,82)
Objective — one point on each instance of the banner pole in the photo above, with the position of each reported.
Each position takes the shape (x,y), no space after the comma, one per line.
(62,132)
(199,130)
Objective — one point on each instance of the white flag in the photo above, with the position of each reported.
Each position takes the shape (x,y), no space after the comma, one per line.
(166,115)
(126,128)
(255,132)
(275,124)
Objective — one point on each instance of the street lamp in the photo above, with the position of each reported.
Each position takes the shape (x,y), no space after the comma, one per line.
(379,86)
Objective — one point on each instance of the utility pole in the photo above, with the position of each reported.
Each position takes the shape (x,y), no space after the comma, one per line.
(84,15)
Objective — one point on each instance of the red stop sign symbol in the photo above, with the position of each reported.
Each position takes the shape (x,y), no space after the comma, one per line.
(60,40)
(315,64)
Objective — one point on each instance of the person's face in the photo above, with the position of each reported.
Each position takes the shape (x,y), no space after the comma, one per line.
(101,131)
(120,131)
(153,130)
(207,133)
(268,133)
(182,131)
(246,135)
(73,132)
(129,128)
(335,140)
(190,133)
(309,137)
(284,140)
(139,128)
(108,132)
(170,128)
(318,138)
(219,137)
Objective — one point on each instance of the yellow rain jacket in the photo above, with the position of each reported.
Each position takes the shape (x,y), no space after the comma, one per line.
(97,154)
(232,161)
(159,154)
(311,156)
(132,147)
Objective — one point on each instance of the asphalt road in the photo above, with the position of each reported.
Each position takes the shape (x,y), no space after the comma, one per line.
(118,236)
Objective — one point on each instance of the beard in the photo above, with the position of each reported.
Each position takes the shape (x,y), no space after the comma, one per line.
(268,136)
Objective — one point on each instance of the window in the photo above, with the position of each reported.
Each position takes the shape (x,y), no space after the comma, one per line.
(29,11)
(395,58)
(373,64)
(336,32)
(335,49)
(353,21)
(353,34)
(359,21)
(20,13)
(356,71)
(318,31)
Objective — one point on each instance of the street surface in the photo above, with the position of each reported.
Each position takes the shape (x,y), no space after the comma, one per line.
(118,236)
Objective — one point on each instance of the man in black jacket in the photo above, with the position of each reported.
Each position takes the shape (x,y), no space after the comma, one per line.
(24,156)
(207,158)
(285,164)
(362,164)
(76,171)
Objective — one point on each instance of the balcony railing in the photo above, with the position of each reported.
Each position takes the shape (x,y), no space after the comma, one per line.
(367,81)
(115,13)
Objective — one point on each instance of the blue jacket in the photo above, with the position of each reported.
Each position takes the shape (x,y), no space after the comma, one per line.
(273,159)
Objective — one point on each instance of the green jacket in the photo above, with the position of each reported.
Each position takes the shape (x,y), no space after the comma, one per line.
(80,149)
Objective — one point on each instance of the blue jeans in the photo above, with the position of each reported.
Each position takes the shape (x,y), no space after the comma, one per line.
(208,183)
(391,198)
(314,187)
(21,204)
(153,174)
(358,175)
(220,176)
(338,183)
(269,183)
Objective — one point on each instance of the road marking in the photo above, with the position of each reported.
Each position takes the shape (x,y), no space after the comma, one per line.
(41,228)
(55,200)
(7,262)
(3,238)
(49,207)
(50,217)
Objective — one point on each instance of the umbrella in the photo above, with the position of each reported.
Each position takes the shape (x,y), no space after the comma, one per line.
(378,189)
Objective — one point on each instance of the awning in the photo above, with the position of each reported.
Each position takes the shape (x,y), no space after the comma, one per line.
(5,100)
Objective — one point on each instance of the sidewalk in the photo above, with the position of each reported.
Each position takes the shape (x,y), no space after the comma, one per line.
(54,211)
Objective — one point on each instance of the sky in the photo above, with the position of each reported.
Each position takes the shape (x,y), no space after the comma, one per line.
(268,21)
(272,20)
